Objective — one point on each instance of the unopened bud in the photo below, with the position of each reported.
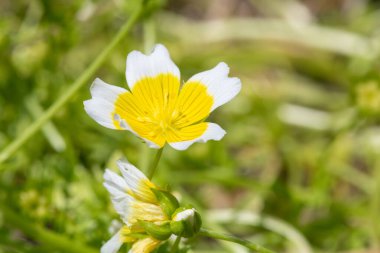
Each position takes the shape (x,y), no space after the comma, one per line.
(186,222)
(159,232)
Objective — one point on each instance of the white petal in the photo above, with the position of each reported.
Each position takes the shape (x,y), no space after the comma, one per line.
(102,104)
(114,183)
(100,110)
(117,187)
(213,132)
(184,214)
(100,89)
(221,87)
(131,174)
(113,244)
(140,65)
(137,182)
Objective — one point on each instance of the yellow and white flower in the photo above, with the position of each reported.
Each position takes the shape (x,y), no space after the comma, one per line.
(135,201)
(156,107)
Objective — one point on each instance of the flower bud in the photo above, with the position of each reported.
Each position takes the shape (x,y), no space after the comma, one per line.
(186,222)
(159,232)
(167,201)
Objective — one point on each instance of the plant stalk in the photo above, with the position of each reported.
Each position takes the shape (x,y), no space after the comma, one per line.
(252,246)
(81,81)
(175,245)
(153,166)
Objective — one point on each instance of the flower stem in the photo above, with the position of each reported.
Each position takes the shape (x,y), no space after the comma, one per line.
(81,81)
(149,30)
(153,166)
(175,245)
(230,238)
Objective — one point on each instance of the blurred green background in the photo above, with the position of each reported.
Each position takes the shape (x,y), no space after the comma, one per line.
(299,168)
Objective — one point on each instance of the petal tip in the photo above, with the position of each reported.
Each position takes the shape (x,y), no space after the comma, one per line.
(223,67)
(97,81)
(159,48)
(121,163)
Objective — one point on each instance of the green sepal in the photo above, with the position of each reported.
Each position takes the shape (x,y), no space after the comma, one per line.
(159,232)
(167,201)
(188,227)
(197,224)
(137,235)
(177,227)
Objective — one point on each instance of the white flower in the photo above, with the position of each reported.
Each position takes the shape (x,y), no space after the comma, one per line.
(134,201)
(156,108)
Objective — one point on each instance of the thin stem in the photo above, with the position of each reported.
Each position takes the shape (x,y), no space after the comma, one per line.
(81,81)
(149,39)
(175,245)
(153,166)
(230,238)
(51,133)
(149,30)
(45,237)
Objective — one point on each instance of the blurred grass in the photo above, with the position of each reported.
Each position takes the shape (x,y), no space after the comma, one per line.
(302,143)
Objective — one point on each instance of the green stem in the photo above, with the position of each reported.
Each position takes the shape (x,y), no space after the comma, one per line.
(82,80)
(149,39)
(175,245)
(230,238)
(43,236)
(51,133)
(149,30)
(153,166)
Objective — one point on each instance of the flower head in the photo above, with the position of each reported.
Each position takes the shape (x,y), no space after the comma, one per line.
(156,108)
(133,200)
(150,215)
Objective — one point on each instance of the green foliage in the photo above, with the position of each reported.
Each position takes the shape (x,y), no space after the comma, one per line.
(302,144)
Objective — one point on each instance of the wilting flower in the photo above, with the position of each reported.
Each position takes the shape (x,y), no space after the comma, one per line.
(156,108)
(150,215)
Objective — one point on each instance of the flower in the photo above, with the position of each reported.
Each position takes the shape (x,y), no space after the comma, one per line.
(156,108)
(150,215)
(134,201)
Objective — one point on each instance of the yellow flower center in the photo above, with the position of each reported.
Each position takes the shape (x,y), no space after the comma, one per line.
(158,111)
